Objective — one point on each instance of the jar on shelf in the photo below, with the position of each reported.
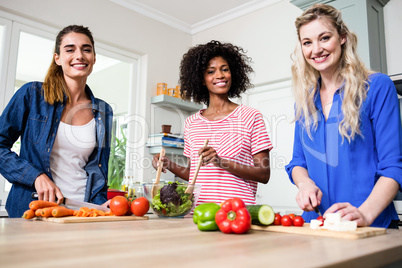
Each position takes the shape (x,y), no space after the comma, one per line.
(161,89)
(171,91)
(177,92)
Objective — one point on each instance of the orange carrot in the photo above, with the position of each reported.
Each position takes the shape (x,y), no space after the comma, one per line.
(109,213)
(93,214)
(37,212)
(62,212)
(83,212)
(47,212)
(85,209)
(34,205)
(29,214)
(101,213)
(78,213)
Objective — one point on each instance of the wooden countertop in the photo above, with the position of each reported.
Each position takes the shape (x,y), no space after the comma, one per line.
(178,243)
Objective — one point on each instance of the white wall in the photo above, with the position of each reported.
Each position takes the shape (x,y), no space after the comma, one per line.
(268,35)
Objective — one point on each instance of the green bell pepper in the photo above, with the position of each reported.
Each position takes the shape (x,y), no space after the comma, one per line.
(204,216)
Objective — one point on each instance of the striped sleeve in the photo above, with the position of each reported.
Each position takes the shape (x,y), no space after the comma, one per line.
(260,140)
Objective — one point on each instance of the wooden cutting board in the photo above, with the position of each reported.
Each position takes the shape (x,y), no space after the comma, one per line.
(361,232)
(72,219)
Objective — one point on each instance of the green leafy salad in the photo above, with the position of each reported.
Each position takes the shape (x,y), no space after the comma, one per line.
(172,201)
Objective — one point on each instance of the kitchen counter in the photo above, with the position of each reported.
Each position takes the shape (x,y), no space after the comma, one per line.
(178,243)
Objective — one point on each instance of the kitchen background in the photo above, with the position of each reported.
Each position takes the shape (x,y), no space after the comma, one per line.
(138,47)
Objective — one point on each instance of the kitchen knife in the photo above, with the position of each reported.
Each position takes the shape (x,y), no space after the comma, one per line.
(317,211)
(74,204)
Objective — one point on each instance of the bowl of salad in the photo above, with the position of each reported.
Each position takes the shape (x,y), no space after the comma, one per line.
(170,199)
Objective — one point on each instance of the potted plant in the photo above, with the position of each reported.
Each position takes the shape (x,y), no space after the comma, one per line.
(117,161)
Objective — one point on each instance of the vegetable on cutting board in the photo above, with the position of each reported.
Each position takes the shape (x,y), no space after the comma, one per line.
(261,214)
(29,214)
(204,216)
(47,212)
(334,222)
(37,204)
(62,212)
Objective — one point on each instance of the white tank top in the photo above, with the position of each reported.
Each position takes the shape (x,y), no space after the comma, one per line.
(72,147)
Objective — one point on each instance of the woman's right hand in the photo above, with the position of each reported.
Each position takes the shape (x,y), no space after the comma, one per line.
(165,161)
(309,196)
(47,190)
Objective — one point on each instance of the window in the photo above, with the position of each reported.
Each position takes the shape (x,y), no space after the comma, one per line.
(26,53)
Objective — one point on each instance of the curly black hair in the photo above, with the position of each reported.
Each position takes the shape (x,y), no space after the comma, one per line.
(195,63)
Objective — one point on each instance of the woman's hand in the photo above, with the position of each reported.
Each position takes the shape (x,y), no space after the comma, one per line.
(165,161)
(348,213)
(209,156)
(106,204)
(47,190)
(309,196)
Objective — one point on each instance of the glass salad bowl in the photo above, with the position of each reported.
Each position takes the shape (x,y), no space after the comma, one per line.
(170,199)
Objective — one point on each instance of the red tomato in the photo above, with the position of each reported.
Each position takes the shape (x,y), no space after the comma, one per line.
(321,218)
(292,216)
(278,218)
(119,205)
(140,206)
(298,221)
(286,220)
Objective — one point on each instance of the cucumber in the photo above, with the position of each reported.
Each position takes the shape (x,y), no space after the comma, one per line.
(261,214)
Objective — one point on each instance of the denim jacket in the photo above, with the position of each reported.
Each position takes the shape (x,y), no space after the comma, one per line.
(28,116)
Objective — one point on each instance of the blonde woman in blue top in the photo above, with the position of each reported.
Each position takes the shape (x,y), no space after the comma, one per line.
(348,137)
(65,131)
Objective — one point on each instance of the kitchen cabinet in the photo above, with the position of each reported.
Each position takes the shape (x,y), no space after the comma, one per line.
(276,104)
(366,19)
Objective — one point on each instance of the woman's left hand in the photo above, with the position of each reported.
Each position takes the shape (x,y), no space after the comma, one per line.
(106,204)
(209,155)
(348,213)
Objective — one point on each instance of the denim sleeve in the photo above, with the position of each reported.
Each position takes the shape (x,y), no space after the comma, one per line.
(298,158)
(387,127)
(13,121)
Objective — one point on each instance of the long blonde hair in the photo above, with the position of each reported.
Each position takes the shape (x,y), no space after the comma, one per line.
(351,70)
(54,85)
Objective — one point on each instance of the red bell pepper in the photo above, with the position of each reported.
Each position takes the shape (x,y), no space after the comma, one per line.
(233,217)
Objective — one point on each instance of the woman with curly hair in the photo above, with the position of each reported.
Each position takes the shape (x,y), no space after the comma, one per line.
(347,147)
(237,155)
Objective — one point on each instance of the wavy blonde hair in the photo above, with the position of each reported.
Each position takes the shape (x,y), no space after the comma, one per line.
(351,70)
(54,85)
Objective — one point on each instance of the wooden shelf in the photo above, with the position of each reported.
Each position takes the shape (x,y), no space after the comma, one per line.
(169,101)
(169,150)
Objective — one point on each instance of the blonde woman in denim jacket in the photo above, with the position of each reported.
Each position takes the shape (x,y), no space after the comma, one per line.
(45,116)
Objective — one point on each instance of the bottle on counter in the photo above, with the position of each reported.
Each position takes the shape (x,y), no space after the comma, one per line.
(125,185)
(135,189)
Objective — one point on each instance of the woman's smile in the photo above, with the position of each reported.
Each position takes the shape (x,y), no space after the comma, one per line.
(217,76)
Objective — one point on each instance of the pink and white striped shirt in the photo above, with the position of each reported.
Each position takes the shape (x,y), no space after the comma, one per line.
(237,137)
